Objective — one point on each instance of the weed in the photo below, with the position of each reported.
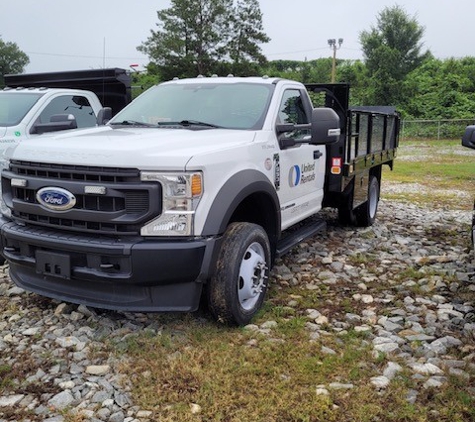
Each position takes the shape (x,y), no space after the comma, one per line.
(5,377)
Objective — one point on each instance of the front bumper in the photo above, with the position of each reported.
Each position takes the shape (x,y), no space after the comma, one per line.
(132,275)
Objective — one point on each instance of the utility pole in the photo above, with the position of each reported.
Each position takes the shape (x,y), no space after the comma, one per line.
(333,44)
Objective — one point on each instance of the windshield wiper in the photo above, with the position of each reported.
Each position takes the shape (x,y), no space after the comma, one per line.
(132,123)
(198,123)
(187,123)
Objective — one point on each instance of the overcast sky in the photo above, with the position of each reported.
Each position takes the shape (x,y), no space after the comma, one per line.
(60,35)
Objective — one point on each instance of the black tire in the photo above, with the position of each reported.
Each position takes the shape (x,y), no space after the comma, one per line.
(366,213)
(238,287)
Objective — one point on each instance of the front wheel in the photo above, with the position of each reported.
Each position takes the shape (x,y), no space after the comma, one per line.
(237,289)
(366,213)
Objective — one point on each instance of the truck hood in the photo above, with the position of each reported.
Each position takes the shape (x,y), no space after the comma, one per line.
(144,148)
(3,130)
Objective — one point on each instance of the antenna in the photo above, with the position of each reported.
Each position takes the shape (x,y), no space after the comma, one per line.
(104,53)
(103,72)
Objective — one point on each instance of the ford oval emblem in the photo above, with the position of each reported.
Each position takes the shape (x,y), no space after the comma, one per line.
(57,199)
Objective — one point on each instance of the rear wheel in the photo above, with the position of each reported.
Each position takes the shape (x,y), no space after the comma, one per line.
(366,213)
(238,287)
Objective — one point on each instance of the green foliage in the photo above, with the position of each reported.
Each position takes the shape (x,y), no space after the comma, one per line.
(441,89)
(392,50)
(142,81)
(188,40)
(314,71)
(206,37)
(12,59)
(248,32)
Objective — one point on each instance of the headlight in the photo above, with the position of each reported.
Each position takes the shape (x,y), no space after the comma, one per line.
(181,195)
(7,212)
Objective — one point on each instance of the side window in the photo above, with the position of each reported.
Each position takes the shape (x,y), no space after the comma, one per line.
(70,104)
(291,108)
(292,111)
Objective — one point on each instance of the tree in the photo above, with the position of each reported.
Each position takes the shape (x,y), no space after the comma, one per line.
(392,50)
(441,89)
(205,37)
(356,75)
(248,33)
(12,59)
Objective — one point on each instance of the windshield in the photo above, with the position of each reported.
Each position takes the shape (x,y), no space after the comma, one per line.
(14,106)
(223,105)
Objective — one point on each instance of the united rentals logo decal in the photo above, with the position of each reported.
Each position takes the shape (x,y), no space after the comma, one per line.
(298,175)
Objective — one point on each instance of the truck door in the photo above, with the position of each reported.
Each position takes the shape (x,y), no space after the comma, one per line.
(301,167)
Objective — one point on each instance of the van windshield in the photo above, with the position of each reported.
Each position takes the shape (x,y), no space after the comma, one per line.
(14,106)
(207,105)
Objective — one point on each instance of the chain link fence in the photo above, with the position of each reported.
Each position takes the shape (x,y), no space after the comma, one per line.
(434,129)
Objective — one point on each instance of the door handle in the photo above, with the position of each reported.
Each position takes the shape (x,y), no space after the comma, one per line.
(317,155)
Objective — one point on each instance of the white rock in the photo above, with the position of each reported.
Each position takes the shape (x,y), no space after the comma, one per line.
(62,400)
(380,382)
(322,391)
(195,408)
(392,368)
(98,369)
(367,299)
(9,401)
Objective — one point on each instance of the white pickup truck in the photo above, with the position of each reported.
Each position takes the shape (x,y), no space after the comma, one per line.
(28,112)
(33,104)
(194,188)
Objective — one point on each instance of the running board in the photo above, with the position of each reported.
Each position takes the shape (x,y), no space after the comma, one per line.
(299,234)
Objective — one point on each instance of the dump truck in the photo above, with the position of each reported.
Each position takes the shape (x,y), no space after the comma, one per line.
(37,103)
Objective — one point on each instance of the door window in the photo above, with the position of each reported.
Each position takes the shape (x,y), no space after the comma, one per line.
(76,105)
(292,111)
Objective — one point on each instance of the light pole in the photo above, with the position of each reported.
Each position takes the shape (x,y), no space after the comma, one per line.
(333,44)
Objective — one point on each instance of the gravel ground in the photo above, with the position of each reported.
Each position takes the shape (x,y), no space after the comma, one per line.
(410,279)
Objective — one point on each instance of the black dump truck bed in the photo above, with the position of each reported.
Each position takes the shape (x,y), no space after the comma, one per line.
(112,85)
(369,138)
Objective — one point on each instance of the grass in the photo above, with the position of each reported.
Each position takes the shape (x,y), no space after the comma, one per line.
(438,174)
(239,375)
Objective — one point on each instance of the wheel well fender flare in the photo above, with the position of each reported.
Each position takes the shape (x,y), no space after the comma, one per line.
(239,187)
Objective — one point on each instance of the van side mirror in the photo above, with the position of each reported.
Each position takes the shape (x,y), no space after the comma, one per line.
(104,115)
(325,126)
(468,139)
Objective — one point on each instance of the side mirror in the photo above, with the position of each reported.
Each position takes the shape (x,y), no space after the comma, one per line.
(104,115)
(285,134)
(57,123)
(325,126)
(468,139)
